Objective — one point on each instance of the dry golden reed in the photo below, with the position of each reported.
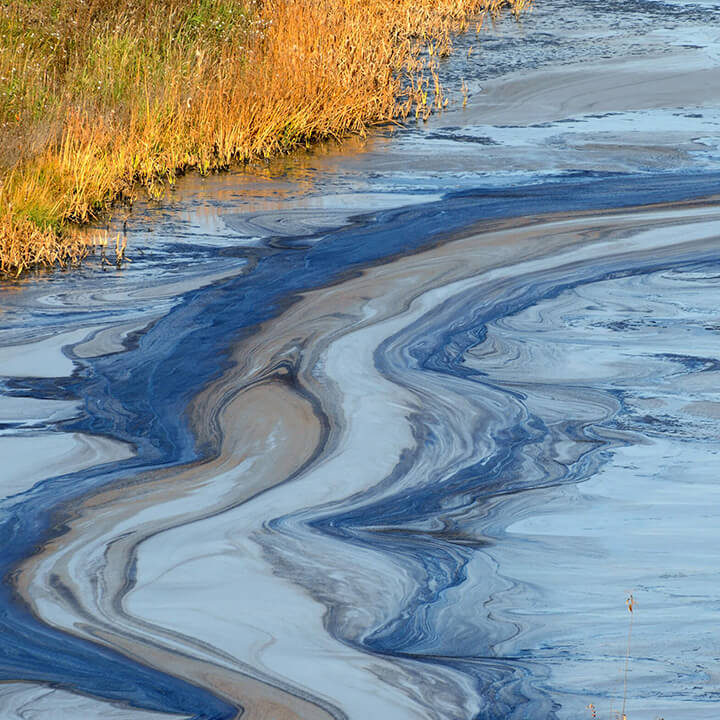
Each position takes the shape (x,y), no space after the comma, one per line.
(99,98)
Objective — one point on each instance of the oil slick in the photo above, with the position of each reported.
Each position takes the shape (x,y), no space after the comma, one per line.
(392,434)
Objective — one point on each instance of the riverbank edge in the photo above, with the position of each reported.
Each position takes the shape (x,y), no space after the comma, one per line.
(79,177)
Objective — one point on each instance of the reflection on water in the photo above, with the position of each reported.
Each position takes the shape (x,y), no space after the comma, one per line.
(391,427)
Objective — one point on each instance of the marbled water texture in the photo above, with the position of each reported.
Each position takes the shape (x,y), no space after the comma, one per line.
(390,429)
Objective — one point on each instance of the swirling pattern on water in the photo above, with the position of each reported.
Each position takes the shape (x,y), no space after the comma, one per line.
(391,432)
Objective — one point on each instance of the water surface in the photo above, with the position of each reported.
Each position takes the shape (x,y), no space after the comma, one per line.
(392,428)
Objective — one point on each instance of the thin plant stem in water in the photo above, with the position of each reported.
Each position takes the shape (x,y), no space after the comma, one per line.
(630,602)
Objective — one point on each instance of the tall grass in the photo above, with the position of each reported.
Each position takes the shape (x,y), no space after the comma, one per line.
(99,98)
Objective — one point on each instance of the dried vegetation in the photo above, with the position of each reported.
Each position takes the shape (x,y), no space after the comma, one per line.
(99,98)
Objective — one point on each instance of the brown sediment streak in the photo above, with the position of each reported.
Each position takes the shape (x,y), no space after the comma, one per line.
(255,414)
(259,700)
(277,417)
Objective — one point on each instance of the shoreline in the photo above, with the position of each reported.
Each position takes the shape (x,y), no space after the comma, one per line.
(170,98)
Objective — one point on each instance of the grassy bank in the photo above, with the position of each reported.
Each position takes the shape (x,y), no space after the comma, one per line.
(99,98)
